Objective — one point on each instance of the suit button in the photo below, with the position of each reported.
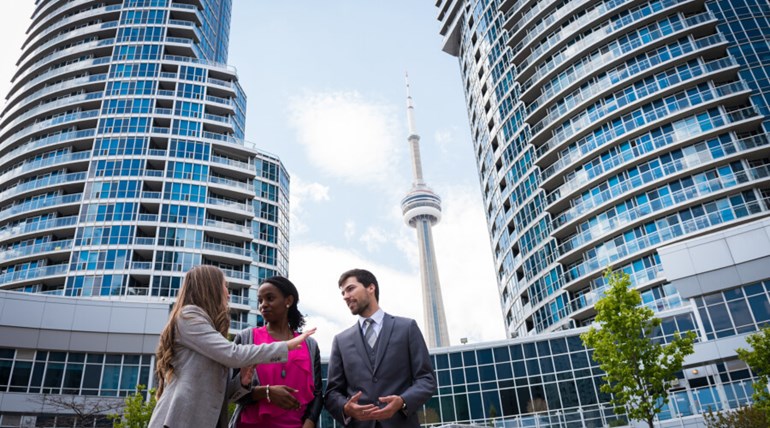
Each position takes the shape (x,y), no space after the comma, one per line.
(374,379)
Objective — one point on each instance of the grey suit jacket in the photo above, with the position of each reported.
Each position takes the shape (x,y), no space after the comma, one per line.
(199,389)
(402,367)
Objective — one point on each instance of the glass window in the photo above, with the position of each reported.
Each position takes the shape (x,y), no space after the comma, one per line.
(442,362)
(721,320)
(760,307)
(21,374)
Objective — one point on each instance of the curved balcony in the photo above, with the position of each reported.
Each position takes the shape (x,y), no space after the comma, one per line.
(20,230)
(42,183)
(668,201)
(658,85)
(610,164)
(643,120)
(557,17)
(35,251)
(106,29)
(620,75)
(650,241)
(23,277)
(229,228)
(199,61)
(47,108)
(56,74)
(85,82)
(639,279)
(43,16)
(515,29)
(685,129)
(44,164)
(639,183)
(598,60)
(88,48)
(40,204)
(637,17)
(48,143)
(239,253)
(642,212)
(633,19)
(239,279)
(69,119)
(243,166)
(103,13)
(235,187)
(240,302)
(228,206)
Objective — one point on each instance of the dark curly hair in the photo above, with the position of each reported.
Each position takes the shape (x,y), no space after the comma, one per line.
(287,288)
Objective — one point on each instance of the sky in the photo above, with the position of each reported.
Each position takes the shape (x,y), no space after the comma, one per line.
(326,94)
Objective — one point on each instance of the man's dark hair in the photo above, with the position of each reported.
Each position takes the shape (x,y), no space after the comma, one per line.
(364,277)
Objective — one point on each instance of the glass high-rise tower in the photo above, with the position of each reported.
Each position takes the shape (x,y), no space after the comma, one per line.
(604,130)
(123,161)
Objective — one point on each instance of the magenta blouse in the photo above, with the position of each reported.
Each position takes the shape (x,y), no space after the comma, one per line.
(296,373)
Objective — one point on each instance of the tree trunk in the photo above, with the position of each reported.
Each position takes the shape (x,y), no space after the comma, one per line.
(650,422)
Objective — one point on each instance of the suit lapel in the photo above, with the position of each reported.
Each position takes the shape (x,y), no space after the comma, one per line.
(358,342)
(382,340)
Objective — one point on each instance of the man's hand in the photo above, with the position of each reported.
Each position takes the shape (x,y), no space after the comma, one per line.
(394,404)
(283,397)
(361,412)
(247,373)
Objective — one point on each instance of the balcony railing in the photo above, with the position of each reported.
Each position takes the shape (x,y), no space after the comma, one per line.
(227,249)
(36,273)
(45,247)
(24,228)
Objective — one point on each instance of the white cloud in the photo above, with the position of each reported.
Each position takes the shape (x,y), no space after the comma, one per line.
(444,138)
(347,136)
(350,230)
(373,238)
(301,191)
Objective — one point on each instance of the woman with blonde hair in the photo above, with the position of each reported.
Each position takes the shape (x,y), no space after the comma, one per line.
(194,355)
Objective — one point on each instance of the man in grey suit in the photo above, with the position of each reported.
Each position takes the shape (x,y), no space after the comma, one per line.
(380,373)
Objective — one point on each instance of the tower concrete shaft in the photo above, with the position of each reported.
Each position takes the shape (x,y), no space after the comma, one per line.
(422,209)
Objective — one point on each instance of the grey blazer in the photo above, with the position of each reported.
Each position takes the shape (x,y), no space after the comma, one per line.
(313,410)
(199,389)
(402,367)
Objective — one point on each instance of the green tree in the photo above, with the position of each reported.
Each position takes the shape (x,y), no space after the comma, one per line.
(758,358)
(743,417)
(137,411)
(638,370)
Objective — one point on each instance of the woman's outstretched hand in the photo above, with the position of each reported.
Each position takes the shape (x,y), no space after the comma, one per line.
(297,341)
(247,373)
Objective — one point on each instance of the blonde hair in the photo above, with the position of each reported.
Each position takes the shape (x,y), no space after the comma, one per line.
(202,287)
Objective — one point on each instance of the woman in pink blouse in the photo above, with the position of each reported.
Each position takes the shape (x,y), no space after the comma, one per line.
(283,395)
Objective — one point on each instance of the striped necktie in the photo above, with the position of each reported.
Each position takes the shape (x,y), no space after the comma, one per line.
(369,335)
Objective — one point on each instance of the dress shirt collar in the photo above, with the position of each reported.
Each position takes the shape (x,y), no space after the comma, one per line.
(377,317)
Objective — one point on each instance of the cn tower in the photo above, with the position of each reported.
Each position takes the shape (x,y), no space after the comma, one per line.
(422,209)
